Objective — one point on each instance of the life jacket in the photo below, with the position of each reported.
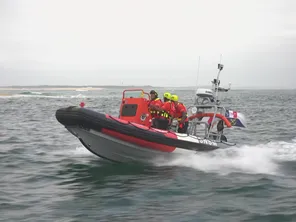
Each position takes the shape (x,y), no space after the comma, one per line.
(158,102)
(180,108)
(168,110)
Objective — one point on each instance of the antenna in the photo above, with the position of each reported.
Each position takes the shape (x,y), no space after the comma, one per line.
(197,72)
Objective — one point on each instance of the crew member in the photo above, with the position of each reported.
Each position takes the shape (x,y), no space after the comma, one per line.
(181,114)
(167,111)
(154,105)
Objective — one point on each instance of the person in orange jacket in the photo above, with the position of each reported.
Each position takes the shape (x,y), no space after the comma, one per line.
(167,112)
(154,104)
(181,114)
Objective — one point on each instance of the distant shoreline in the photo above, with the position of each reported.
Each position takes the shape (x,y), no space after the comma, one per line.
(72,86)
(64,87)
(49,88)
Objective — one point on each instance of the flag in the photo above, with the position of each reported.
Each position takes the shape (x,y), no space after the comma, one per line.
(231,114)
(235,118)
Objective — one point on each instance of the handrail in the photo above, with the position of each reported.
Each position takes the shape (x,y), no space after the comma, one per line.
(135,89)
(192,127)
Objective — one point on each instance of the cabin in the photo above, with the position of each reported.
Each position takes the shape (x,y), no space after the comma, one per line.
(134,107)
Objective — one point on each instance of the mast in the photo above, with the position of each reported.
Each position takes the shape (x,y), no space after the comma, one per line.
(216,84)
(220,67)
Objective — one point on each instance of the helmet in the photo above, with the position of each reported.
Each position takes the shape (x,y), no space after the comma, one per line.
(154,92)
(167,95)
(174,98)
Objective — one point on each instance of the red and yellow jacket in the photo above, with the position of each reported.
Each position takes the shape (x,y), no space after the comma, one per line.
(156,102)
(180,109)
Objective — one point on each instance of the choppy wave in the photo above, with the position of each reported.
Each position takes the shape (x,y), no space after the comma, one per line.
(32,93)
(256,159)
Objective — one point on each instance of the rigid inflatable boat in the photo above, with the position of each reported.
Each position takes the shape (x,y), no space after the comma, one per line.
(130,137)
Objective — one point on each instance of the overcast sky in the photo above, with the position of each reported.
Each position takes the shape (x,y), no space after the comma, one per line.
(154,42)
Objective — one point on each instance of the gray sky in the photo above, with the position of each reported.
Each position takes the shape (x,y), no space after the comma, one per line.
(147,42)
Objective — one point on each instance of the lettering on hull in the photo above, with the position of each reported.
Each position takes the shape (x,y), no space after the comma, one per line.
(207,142)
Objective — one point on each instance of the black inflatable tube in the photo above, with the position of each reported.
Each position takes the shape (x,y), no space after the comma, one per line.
(89,119)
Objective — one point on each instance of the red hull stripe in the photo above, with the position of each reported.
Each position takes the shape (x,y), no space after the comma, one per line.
(139,142)
(164,132)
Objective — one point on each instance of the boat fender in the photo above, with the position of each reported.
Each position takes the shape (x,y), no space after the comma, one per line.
(218,115)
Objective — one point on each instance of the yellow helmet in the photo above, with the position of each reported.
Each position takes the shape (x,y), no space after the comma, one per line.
(174,98)
(167,95)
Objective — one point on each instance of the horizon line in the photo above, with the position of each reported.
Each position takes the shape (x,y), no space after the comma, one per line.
(137,86)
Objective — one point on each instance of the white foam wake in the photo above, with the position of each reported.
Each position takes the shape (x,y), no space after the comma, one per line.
(81,151)
(258,159)
(78,152)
